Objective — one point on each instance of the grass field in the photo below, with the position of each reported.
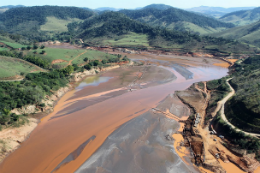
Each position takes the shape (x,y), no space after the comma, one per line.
(55,53)
(3,48)
(75,56)
(92,55)
(10,67)
(57,25)
(131,39)
(13,45)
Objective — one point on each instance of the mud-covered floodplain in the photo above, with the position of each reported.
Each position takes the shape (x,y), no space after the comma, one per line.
(119,121)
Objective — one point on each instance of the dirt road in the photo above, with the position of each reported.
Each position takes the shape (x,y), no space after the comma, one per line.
(221,107)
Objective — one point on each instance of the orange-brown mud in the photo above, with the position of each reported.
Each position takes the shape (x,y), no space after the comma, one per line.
(222,64)
(233,60)
(80,123)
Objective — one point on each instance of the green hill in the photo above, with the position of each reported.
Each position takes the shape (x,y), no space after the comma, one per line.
(243,109)
(177,19)
(243,17)
(249,33)
(158,6)
(38,21)
(117,30)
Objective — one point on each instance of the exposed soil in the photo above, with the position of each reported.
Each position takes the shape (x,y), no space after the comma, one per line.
(214,155)
(56,61)
(12,138)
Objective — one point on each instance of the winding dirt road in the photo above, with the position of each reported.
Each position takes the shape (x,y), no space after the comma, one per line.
(221,107)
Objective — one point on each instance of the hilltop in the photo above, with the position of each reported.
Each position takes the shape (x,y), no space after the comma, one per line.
(34,22)
(117,30)
(217,12)
(177,19)
(243,17)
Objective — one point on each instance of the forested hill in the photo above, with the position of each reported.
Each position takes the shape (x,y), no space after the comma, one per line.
(15,16)
(243,109)
(173,18)
(242,17)
(115,29)
(248,33)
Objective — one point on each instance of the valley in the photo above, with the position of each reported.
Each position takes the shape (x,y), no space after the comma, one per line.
(118,92)
(151,89)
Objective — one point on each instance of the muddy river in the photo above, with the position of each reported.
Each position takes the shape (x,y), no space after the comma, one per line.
(108,123)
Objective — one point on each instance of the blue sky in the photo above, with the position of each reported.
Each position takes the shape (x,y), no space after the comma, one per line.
(135,3)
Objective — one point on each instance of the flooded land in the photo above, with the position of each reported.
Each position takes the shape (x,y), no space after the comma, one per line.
(119,121)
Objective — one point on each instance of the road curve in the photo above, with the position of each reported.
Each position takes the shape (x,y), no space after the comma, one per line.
(221,106)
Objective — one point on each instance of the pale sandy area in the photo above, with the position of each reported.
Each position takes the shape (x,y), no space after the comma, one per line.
(12,137)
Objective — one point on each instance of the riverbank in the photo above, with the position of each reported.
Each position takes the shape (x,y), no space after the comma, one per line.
(12,137)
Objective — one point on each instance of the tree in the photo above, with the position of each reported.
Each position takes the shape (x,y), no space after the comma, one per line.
(104,61)
(35,46)
(43,52)
(42,46)
(28,47)
(5,116)
(86,59)
(88,67)
(125,58)
(96,63)
(76,67)
(68,70)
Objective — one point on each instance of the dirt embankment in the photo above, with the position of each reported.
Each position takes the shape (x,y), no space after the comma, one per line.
(12,137)
(207,148)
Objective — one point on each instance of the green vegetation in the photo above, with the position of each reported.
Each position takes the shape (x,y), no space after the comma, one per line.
(58,53)
(30,91)
(32,22)
(243,109)
(249,34)
(61,57)
(239,139)
(10,67)
(3,48)
(113,26)
(131,39)
(92,55)
(30,58)
(219,89)
(242,17)
(13,45)
(177,19)
(58,25)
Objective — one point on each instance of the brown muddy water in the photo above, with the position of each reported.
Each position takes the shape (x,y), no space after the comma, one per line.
(69,139)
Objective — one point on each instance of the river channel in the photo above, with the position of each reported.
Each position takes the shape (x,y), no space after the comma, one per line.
(86,119)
